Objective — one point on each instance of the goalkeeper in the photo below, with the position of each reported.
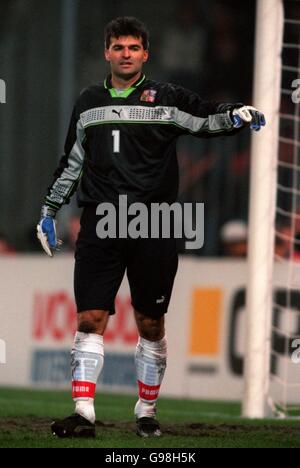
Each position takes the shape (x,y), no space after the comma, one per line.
(122,141)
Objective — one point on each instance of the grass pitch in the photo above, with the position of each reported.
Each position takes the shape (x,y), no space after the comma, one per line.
(25,418)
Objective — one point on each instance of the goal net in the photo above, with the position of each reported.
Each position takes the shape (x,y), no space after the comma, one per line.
(272,367)
(284,394)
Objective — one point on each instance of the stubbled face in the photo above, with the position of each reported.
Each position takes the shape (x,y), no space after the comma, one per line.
(126,56)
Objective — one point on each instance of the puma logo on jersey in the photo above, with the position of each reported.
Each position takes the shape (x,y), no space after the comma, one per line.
(118,113)
(161,300)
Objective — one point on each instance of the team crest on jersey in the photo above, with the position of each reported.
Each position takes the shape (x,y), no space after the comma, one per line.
(149,95)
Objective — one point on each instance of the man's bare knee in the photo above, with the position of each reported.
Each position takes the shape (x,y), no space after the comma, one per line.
(93,321)
(151,329)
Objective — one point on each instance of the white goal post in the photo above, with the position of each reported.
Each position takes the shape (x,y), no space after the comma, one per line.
(267,84)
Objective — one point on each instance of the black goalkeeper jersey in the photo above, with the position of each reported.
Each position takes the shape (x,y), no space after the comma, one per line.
(124,143)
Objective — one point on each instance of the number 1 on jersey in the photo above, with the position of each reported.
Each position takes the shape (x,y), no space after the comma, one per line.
(116,137)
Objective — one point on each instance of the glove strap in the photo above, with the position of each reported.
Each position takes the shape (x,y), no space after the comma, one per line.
(47,212)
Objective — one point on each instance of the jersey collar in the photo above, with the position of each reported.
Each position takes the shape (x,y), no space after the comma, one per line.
(126,92)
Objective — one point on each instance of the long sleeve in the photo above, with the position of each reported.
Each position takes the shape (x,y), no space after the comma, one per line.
(198,117)
(68,173)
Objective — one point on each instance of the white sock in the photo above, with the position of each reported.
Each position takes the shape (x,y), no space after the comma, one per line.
(151,362)
(86,409)
(87,363)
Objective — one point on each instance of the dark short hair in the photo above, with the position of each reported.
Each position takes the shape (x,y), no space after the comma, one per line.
(126,26)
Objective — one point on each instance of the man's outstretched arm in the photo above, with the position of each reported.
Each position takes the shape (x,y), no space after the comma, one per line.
(208,119)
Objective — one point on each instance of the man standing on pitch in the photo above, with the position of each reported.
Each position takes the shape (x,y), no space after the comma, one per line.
(122,141)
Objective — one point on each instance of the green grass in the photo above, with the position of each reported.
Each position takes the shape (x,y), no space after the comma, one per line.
(25,417)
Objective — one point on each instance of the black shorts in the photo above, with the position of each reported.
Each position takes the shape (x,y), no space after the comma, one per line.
(100,265)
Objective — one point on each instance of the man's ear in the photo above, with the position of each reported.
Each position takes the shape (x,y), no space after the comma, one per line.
(107,55)
(146,56)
